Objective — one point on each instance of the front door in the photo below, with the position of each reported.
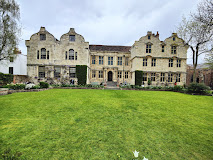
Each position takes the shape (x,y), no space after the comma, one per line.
(110,76)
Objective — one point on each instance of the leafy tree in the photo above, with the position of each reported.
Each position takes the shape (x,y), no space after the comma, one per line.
(9,29)
(197,31)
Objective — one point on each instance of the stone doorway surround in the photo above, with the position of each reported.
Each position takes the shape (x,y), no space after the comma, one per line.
(110,76)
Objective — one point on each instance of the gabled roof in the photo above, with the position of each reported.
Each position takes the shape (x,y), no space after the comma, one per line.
(109,48)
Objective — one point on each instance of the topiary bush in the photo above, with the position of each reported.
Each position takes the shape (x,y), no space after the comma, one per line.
(44,85)
(5,78)
(198,88)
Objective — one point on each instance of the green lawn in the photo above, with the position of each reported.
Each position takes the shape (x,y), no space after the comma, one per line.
(106,124)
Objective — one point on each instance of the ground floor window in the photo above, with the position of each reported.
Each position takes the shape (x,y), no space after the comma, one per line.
(93,74)
(41,71)
(10,70)
(57,72)
(152,76)
(126,75)
(170,77)
(145,77)
(119,74)
(178,77)
(72,72)
(162,77)
(100,74)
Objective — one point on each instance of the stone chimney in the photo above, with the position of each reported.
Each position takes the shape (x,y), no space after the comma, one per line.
(157,35)
(72,30)
(42,29)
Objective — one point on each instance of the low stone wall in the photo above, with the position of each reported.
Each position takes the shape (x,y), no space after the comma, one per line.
(3,91)
(30,90)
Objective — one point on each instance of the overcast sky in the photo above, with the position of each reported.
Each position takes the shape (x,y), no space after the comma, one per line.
(104,22)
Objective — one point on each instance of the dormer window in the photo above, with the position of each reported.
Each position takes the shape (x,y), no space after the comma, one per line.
(72,38)
(42,37)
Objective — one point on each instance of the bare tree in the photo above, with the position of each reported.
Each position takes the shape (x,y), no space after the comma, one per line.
(9,29)
(209,60)
(197,32)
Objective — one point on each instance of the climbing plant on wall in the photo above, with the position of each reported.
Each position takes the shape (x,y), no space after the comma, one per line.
(81,73)
(138,77)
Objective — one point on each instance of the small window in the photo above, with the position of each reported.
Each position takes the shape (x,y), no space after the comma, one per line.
(71,54)
(119,74)
(170,62)
(127,61)
(173,49)
(72,72)
(57,72)
(10,70)
(144,61)
(93,59)
(148,48)
(43,53)
(170,77)
(110,60)
(100,74)
(37,54)
(119,60)
(72,38)
(178,63)
(76,55)
(101,60)
(149,37)
(47,54)
(126,75)
(93,74)
(42,37)
(11,59)
(41,72)
(162,77)
(66,55)
(153,62)
(162,49)
(173,38)
(178,77)
(152,76)
(145,77)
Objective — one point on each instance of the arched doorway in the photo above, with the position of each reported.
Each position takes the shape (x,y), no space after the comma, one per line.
(110,76)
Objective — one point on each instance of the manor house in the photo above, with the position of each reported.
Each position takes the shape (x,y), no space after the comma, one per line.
(54,61)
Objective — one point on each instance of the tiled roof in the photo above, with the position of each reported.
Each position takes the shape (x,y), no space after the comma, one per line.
(109,48)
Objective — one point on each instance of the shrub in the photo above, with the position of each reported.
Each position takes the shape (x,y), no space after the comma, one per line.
(29,86)
(5,78)
(44,85)
(178,88)
(198,88)
(138,77)
(15,86)
(36,87)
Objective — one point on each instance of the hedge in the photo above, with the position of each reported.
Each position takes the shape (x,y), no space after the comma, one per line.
(5,78)
(138,77)
(81,73)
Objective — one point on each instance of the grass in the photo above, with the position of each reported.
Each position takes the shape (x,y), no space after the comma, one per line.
(106,124)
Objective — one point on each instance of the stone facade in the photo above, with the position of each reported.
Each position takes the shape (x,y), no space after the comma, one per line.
(54,61)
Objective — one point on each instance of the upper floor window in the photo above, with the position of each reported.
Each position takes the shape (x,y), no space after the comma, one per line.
(110,60)
(173,38)
(48,54)
(42,37)
(148,48)
(37,54)
(173,49)
(162,77)
(170,77)
(101,60)
(145,77)
(71,54)
(72,72)
(170,62)
(144,61)
(72,38)
(119,60)
(162,48)
(149,37)
(119,74)
(57,72)
(66,55)
(41,71)
(127,61)
(43,53)
(178,63)
(100,74)
(76,55)
(93,74)
(93,59)
(153,62)
(10,70)
(152,76)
